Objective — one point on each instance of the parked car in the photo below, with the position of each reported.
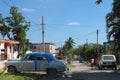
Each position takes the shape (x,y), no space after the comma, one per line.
(81,60)
(107,61)
(36,61)
(62,59)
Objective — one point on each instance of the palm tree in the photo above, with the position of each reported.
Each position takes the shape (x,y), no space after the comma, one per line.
(68,46)
(3,29)
(98,1)
(69,43)
(17,26)
(113,25)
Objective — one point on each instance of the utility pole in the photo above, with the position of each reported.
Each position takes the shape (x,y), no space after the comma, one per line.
(97,43)
(43,44)
(86,41)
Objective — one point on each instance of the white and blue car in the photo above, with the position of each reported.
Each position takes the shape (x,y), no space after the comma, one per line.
(36,61)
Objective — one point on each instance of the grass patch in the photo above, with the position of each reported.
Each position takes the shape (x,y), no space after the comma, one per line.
(69,65)
(86,63)
(20,76)
(118,67)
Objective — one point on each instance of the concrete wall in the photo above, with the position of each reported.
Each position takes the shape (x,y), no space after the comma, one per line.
(2,65)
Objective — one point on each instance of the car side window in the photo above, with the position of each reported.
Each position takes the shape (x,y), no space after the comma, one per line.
(31,57)
(41,58)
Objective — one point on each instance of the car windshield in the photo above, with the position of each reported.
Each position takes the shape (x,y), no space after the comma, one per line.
(108,58)
(50,57)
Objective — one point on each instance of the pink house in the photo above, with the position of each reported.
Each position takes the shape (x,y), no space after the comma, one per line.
(49,47)
(6,51)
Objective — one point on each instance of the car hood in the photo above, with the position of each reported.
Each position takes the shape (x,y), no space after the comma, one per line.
(14,59)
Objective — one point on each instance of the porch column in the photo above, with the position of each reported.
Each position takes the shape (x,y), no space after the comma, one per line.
(0,50)
(7,51)
(12,52)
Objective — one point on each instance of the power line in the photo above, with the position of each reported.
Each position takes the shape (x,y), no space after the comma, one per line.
(36,29)
(80,36)
(5,3)
(12,2)
(85,35)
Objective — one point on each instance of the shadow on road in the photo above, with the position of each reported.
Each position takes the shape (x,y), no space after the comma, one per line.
(92,75)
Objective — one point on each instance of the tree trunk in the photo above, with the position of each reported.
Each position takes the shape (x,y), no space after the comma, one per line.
(18,51)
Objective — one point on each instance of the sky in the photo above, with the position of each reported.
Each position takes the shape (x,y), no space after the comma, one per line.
(78,19)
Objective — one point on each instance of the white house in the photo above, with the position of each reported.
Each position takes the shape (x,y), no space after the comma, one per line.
(6,51)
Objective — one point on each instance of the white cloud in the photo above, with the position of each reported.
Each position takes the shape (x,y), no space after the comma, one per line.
(28,10)
(74,24)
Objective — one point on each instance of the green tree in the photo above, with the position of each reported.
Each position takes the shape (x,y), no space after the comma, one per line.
(113,24)
(88,51)
(67,49)
(3,29)
(69,43)
(98,1)
(17,26)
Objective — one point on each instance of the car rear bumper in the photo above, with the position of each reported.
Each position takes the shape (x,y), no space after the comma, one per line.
(108,65)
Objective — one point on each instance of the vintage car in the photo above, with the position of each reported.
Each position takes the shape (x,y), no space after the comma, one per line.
(36,61)
(107,61)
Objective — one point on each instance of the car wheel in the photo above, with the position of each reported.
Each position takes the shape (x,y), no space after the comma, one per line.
(51,72)
(12,69)
(100,68)
(112,68)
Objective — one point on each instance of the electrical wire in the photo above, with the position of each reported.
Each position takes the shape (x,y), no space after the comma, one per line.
(5,3)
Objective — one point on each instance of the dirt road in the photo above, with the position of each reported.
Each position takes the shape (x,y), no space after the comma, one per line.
(80,71)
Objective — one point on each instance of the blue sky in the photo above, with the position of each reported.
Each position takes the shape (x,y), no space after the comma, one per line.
(78,19)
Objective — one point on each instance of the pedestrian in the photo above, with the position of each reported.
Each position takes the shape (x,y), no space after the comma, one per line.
(92,62)
(96,61)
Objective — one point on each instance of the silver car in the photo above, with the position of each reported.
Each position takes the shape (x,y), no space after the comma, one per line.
(107,61)
(36,61)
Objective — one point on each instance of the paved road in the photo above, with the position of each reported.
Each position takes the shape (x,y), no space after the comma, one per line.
(80,71)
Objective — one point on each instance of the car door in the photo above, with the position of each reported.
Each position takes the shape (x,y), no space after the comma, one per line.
(41,63)
(28,64)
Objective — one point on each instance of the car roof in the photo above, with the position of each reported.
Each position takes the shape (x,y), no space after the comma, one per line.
(37,53)
(108,55)
(45,54)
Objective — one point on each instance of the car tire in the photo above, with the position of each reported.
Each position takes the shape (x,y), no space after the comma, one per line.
(12,69)
(51,72)
(115,68)
(100,68)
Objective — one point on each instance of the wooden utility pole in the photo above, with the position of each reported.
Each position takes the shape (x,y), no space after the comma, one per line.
(97,43)
(43,44)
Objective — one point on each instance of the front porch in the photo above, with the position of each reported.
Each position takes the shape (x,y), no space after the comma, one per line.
(6,51)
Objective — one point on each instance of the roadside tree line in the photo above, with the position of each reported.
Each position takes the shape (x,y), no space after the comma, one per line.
(85,51)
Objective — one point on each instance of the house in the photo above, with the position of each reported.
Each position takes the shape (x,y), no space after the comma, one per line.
(49,47)
(6,51)
(1,24)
